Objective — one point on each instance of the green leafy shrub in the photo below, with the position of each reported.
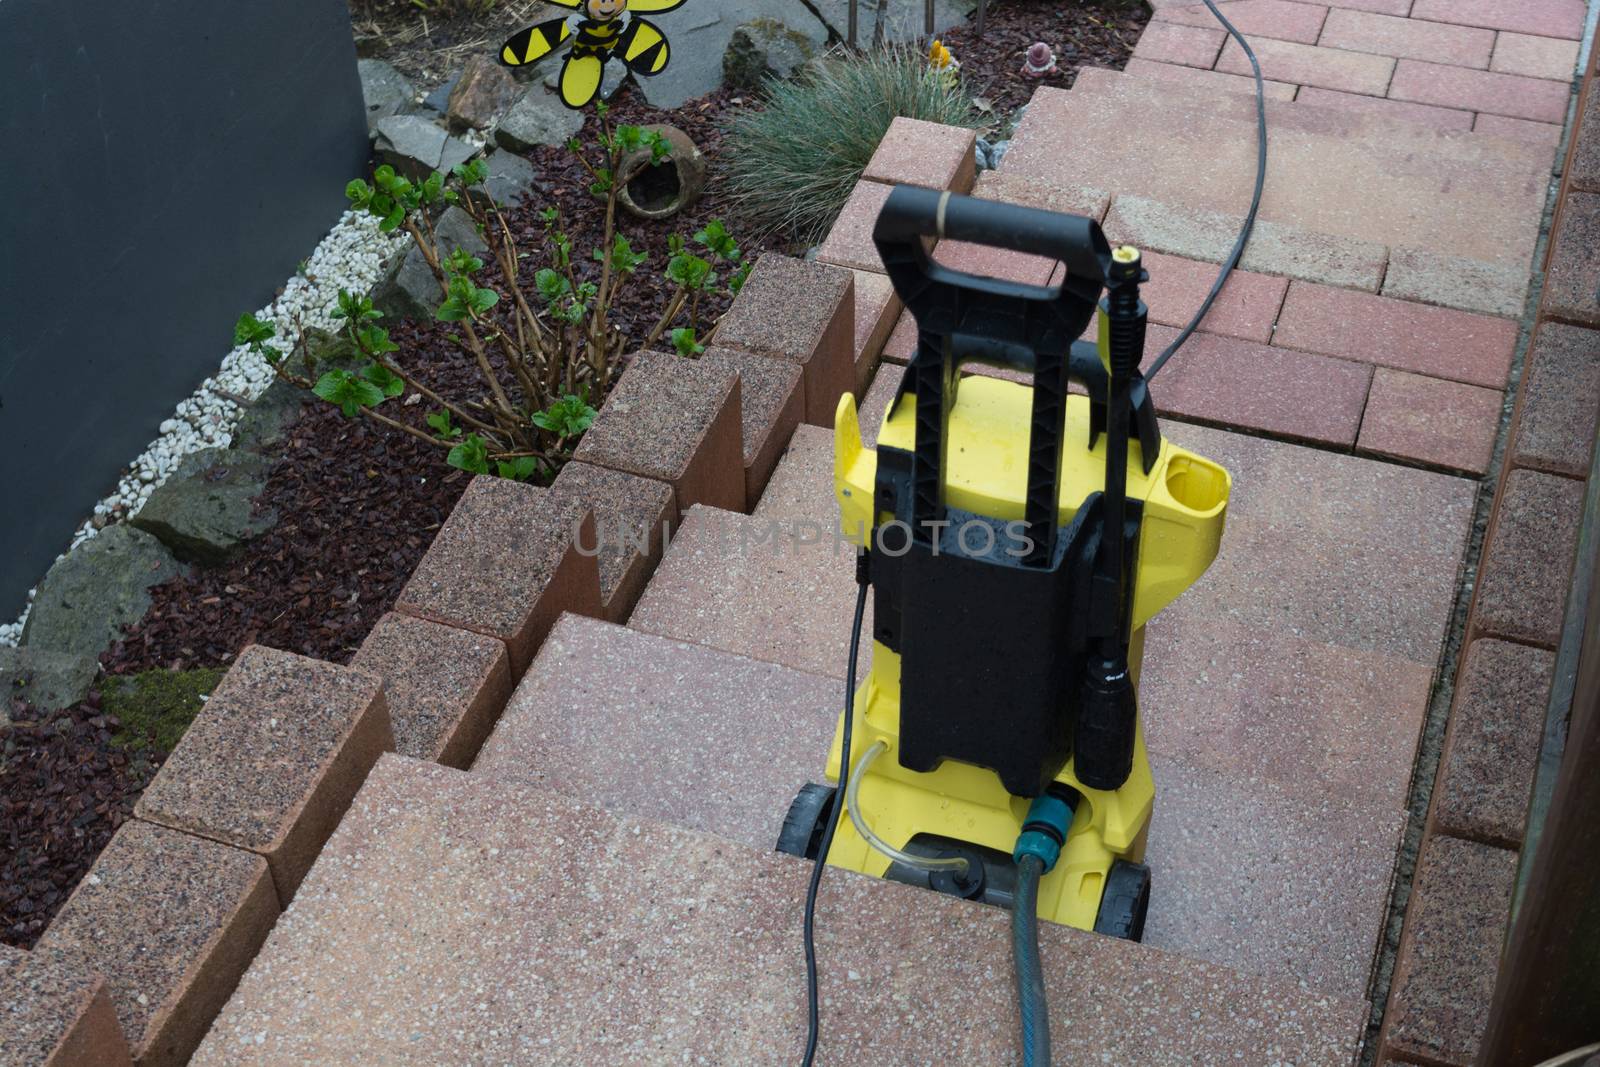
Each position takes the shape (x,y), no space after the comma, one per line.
(543,351)
(794,161)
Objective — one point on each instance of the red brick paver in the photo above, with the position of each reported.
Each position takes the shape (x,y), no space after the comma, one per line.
(1548,18)
(1304,64)
(1283,19)
(1427,420)
(56,1013)
(1535,57)
(914,152)
(1440,118)
(1522,583)
(1544,133)
(1556,415)
(1245,308)
(1204,80)
(1438,42)
(1190,46)
(1440,342)
(1480,90)
(1572,286)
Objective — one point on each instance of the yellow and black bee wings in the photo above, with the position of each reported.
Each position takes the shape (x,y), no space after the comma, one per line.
(643,47)
(535,42)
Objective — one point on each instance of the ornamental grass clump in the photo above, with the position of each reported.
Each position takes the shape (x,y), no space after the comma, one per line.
(793,162)
(545,348)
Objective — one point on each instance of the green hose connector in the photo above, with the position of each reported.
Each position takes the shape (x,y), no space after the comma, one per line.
(1044,831)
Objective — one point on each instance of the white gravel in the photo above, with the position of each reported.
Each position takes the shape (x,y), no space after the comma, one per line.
(350,257)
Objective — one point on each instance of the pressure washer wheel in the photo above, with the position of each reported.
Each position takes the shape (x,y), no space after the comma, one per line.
(808,817)
(1125,901)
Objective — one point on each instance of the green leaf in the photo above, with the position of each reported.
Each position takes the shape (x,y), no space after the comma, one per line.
(518,470)
(374,341)
(690,271)
(473,172)
(551,285)
(385,379)
(460,261)
(454,309)
(392,220)
(470,455)
(439,421)
(359,193)
(482,300)
(683,341)
(567,417)
(716,239)
(347,392)
(250,330)
(432,187)
(737,279)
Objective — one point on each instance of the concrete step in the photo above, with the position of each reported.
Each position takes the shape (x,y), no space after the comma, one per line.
(1264,877)
(1352,198)
(463,917)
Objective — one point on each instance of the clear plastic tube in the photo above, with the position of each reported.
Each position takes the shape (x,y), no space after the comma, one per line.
(921,863)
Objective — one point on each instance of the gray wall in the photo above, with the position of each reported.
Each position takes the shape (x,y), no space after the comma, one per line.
(165,166)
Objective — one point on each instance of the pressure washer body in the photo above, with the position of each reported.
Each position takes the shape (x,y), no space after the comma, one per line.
(1017,538)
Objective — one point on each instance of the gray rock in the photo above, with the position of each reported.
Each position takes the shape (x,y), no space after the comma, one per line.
(45,679)
(205,511)
(268,417)
(904,21)
(439,99)
(101,586)
(410,144)
(416,147)
(700,33)
(386,91)
(409,289)
(538,117)
(511,179)
(762,49)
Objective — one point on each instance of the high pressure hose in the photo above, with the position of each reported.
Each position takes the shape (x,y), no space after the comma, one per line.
(1025,955)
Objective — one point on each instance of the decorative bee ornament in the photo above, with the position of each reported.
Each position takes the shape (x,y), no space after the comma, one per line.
(602,32)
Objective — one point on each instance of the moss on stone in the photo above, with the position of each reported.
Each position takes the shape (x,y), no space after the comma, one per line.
(156,707)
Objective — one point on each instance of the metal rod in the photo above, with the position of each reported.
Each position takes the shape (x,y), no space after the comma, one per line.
(850,37)
(927,17)
(983,11)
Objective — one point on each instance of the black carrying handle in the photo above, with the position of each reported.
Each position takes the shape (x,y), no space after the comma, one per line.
(1076,241)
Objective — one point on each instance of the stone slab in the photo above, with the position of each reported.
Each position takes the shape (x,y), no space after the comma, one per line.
(1295,395)
(1246,307)
(1572,284)
(1527,566)
(1480,90)
(1335,549)
(444,687)
(1426,420)
(1331,171)
(676,420)
(1269,705)
(1543,133)
(931,154)
(1404,38)
(1558,401)
(1442,118)
(1457,281)
(1439,342)
(1547,18)
(440,868)
(877,307)
(1189,46)
(1449,950)
(271,762)
(1206,80)
(1492,748)
(55,1013)
(775,590)
(599,697)
(1273,248)
(902,342)
(1535,57)
(849,242)
(1032,191)
(171,921)
(505,564)
(632,518)
(772,403)
(1255,18)
(875,405)
(1304,64)
(802,312)
(802,488)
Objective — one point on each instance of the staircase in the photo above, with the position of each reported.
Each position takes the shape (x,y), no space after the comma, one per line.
(601,887)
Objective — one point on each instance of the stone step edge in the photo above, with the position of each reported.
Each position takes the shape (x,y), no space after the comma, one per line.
(1058,943)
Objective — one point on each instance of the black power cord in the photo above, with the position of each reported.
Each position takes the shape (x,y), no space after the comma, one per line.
(813,1030)
(1255,199)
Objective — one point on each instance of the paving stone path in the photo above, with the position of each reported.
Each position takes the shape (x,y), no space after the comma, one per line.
(598,884)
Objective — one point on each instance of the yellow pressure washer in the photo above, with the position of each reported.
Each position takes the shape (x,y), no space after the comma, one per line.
(1016,539)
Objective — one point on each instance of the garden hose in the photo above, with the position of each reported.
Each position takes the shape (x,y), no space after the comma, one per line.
(813,1020)
(1025,957)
